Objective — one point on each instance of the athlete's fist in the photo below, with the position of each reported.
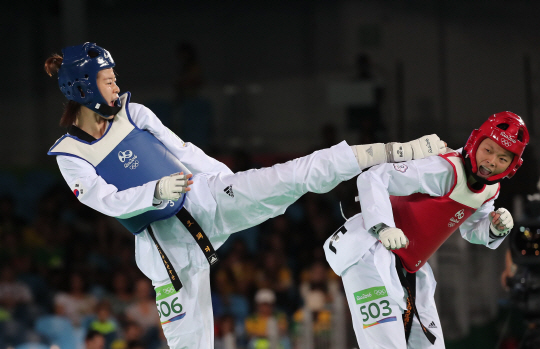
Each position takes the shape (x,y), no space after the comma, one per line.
(172,187)
(393,238)
(501,222)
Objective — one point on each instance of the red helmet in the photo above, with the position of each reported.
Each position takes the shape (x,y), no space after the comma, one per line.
(509,131)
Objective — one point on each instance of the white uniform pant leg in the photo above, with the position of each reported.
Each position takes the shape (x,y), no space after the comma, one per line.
(430,319)
(377,318)
(248,198)
(186,316)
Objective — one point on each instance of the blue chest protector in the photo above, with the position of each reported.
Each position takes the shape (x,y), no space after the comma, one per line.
(126,157)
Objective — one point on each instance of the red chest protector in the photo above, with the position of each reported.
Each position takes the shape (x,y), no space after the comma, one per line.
(428,221)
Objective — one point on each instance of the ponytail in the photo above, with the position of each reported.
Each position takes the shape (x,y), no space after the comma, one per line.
(71,108)
(52,64)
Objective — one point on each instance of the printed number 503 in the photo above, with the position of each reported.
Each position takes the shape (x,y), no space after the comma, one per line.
(374,311)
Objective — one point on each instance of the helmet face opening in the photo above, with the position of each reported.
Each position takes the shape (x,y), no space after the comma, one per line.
(507,130)
(77,77)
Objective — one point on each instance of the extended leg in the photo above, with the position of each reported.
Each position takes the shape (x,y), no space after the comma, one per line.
(248,198)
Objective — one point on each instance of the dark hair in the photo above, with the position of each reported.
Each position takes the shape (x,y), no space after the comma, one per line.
(103,304)
(71,108)
(91,334)
(135,344)
(53,63)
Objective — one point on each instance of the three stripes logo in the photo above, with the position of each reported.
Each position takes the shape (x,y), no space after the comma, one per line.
(432,325)
(213,259)
(229,191)
(370,151)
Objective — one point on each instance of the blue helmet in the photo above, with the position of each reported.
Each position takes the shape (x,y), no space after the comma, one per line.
(78,73)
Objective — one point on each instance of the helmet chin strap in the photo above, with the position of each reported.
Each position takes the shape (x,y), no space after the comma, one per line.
(106,110)
(469,171)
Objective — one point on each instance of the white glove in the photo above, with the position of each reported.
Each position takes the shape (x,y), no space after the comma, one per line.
(393,238)
(172,187)
(501,222)
(420,148)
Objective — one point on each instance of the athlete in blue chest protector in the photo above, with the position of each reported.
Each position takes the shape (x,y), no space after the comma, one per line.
(181,204)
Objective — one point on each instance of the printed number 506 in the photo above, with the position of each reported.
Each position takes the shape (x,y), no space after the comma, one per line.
(165,309)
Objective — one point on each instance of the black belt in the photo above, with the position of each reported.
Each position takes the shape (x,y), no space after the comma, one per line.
(409,282)
(200,237)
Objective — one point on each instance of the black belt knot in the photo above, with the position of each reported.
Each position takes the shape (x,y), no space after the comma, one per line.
(200,238)
(409,282)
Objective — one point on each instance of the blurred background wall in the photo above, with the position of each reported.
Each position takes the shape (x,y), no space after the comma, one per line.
(268,66)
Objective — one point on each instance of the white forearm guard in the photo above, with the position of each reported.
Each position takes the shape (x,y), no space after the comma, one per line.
(378,153)
(370,154)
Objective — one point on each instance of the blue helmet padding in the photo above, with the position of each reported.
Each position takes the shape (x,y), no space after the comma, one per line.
(78,73)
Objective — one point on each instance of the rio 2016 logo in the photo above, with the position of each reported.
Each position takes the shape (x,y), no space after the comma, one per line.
(132,163)
(459,215)
(123,155)
(380,292)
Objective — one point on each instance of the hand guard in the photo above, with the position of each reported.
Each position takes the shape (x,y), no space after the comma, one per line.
(420,148)
(172,187)
(504,220)
(393,238)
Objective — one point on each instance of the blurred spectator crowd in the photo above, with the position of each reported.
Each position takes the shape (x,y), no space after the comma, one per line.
(67,272)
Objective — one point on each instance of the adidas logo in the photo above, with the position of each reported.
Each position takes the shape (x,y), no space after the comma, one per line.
(432,325)
(370,151)
(213,259)
(229,191)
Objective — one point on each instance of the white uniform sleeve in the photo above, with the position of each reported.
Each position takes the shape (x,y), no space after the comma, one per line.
(94,192)
(476,228)
(433,176)
(191,156)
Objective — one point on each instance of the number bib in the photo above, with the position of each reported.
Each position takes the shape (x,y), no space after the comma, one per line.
(374,310)
(169,308)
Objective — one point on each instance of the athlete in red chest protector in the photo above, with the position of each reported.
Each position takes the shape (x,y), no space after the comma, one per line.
(408,211)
